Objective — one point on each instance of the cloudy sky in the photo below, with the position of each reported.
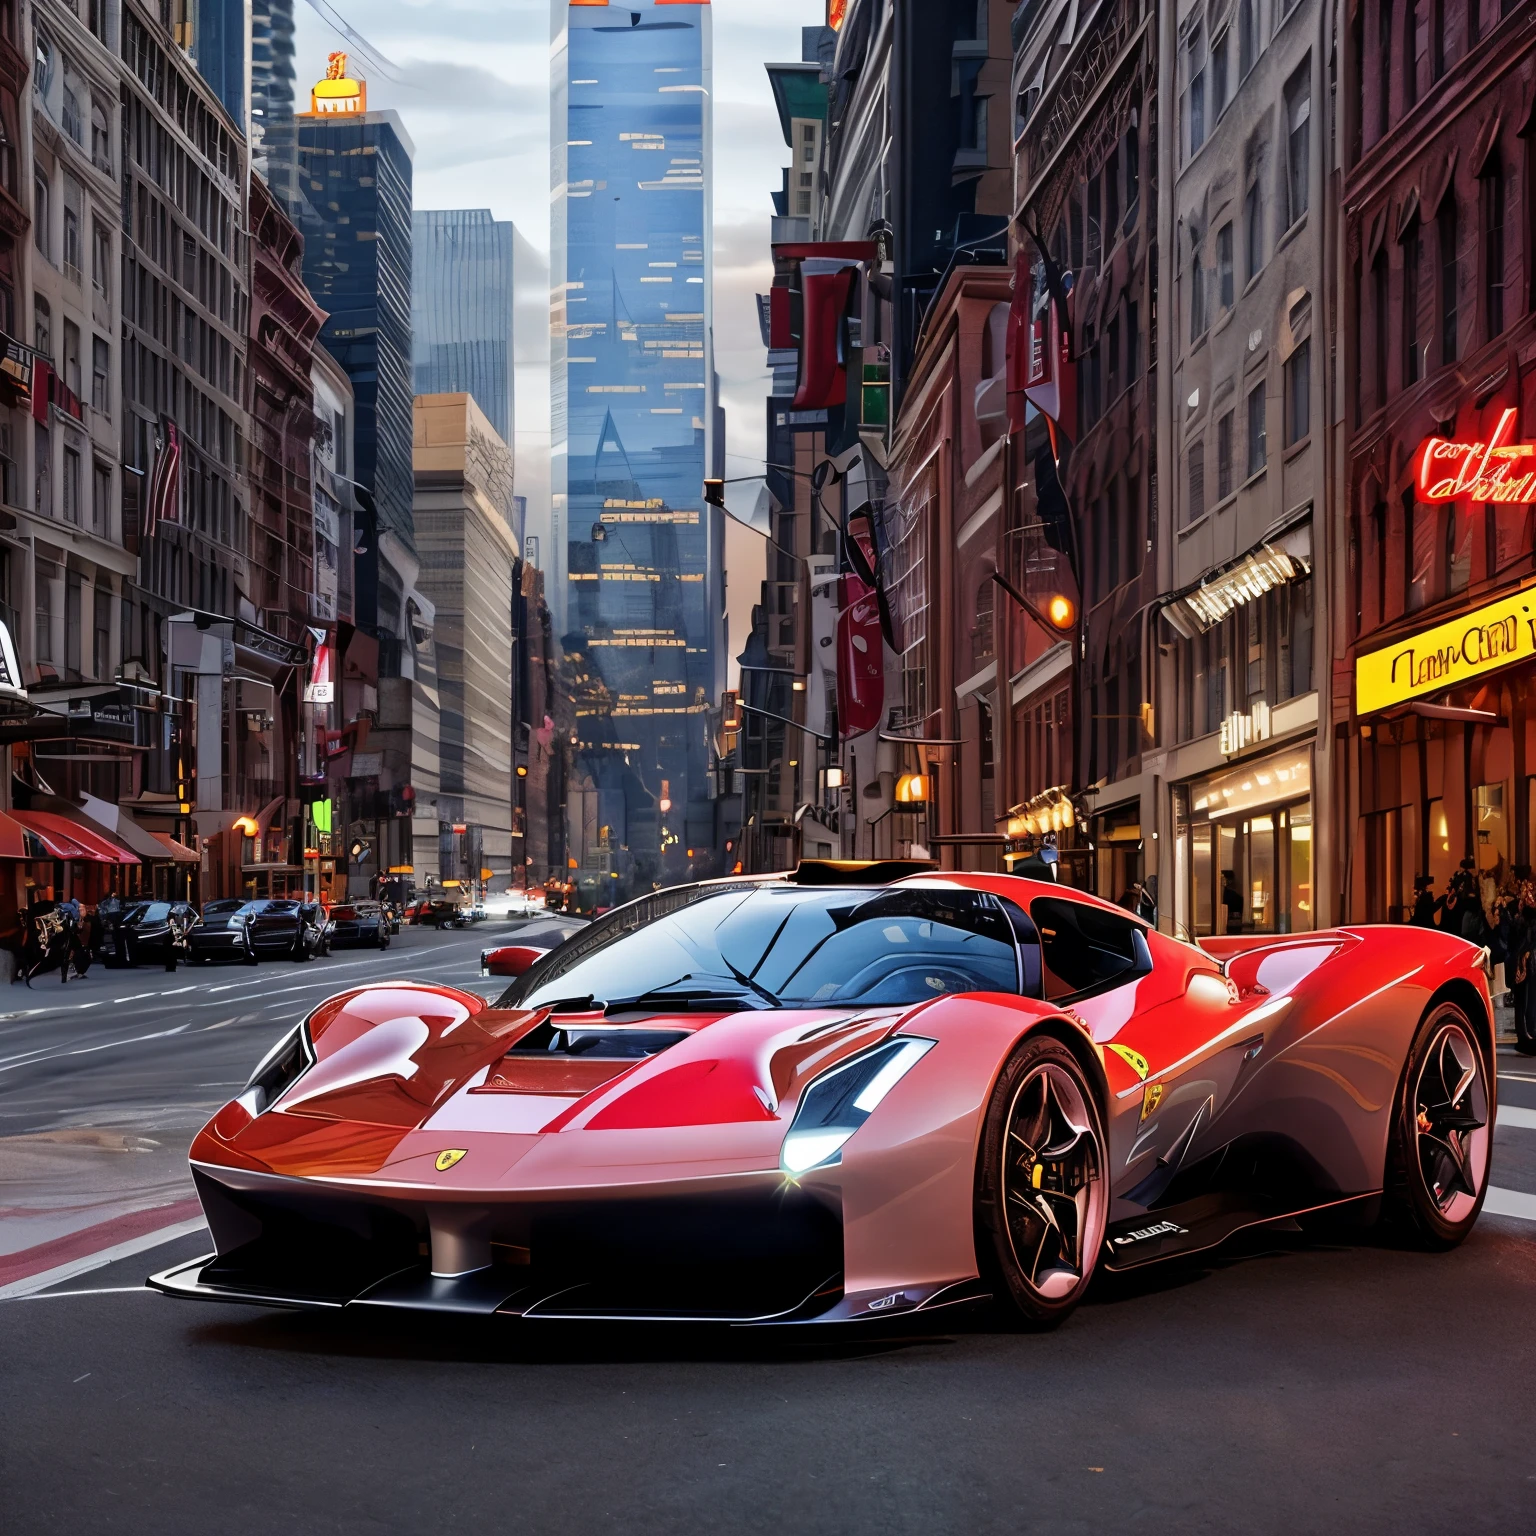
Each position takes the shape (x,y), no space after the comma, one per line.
(474,96)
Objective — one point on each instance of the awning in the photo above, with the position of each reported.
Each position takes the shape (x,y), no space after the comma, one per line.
(1284,557)
(178,851)
(65,839)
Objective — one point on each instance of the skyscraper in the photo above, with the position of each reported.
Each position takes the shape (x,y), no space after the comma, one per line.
(461,308)
(272,70)
(219,40)
(633,427)
(353,203)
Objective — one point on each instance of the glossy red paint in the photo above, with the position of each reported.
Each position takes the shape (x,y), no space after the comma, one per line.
(510,960)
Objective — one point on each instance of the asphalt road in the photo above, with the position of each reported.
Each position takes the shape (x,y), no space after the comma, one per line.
(1291,1387)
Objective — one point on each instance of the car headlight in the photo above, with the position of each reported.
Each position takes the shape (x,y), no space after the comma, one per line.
(278,1070)
(840,1101)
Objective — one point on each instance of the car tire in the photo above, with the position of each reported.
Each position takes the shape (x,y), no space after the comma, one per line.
(301,951)
(1441,1146)
(1040,1215)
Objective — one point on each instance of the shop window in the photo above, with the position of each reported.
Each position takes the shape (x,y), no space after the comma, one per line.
(1493,830)
(1441,861)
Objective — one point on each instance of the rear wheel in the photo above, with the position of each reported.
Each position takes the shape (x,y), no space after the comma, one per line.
(1442,1133)
(1041,1192)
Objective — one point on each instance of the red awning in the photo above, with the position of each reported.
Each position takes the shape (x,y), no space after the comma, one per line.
(66,839)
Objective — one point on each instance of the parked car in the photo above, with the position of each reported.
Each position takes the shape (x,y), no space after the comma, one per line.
(361,923)
(149,931)
(438,912)
(282,927)
(219,936)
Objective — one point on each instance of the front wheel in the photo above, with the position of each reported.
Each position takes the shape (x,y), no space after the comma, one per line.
(1041,1190)
(1442,1133)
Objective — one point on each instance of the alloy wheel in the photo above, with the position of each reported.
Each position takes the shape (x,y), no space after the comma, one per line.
(1450,1102)
(1051,1181)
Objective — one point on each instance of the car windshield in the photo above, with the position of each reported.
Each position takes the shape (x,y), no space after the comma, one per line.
(221,908)
(768,946)
(150,912)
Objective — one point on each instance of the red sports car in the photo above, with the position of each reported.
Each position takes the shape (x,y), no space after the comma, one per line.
(788,1100)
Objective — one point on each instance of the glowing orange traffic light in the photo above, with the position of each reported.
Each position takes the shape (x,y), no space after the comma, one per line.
(1061,611)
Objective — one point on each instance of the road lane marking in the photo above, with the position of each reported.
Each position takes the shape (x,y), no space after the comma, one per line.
(1514,1115)
(177,991)
(83,1265)
(1510,1202)
(138,997)
(86,1050)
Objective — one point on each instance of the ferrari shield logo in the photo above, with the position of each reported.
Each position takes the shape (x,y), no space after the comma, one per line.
(1151,1099)
(446,1159)
(1133,1059)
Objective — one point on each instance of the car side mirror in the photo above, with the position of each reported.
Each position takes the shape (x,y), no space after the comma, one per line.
(509,960)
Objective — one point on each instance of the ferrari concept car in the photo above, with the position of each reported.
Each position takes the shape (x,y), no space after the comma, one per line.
(847,1094)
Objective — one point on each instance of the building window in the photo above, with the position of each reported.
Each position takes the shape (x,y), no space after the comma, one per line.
(73,248)
(1224,276)
(1253,231)
(1224,457)
(72,358)
(1437,39)
(71,485)
(1450,276)
(101,634)
(40,215)
(1247,36)
(1196,481)
(101,258)
(101,370)
(1298,112)
(42,466)
(1410,53)
(1095,226)
(1258,445)
(1379,316)
(42,627)
(71,115)
(1219,75)
(101,499)
(1492,186)
(42,326)
(1130,158)
(1413,258)
(1298,394)
(1384,67)
(1112,197)
(1196,56)
(1197,321)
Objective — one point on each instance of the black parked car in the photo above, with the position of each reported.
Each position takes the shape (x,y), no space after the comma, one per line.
(362,923)
(149,931)
(219,937)
(278,927)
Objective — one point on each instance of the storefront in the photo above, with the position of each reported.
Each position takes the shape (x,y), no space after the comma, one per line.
(1243,856)
(1445,760)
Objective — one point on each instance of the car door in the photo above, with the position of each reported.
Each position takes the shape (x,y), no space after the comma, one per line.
(1164,1017)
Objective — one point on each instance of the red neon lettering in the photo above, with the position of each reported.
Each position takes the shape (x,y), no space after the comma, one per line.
(1491,471)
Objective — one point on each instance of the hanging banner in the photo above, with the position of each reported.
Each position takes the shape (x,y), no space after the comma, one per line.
(165,485)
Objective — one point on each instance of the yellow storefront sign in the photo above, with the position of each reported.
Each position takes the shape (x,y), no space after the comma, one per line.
(1454,652)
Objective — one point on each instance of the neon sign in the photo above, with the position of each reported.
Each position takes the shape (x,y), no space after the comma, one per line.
(1499,470)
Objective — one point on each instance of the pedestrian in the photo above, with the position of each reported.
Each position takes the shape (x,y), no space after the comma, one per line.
(1423,902)
(1146,907)
(1232,899)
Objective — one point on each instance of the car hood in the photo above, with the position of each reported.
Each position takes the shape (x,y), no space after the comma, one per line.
(399,1067)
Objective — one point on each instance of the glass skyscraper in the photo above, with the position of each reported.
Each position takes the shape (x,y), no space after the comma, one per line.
(634,429)
(461,309)
(352,201)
